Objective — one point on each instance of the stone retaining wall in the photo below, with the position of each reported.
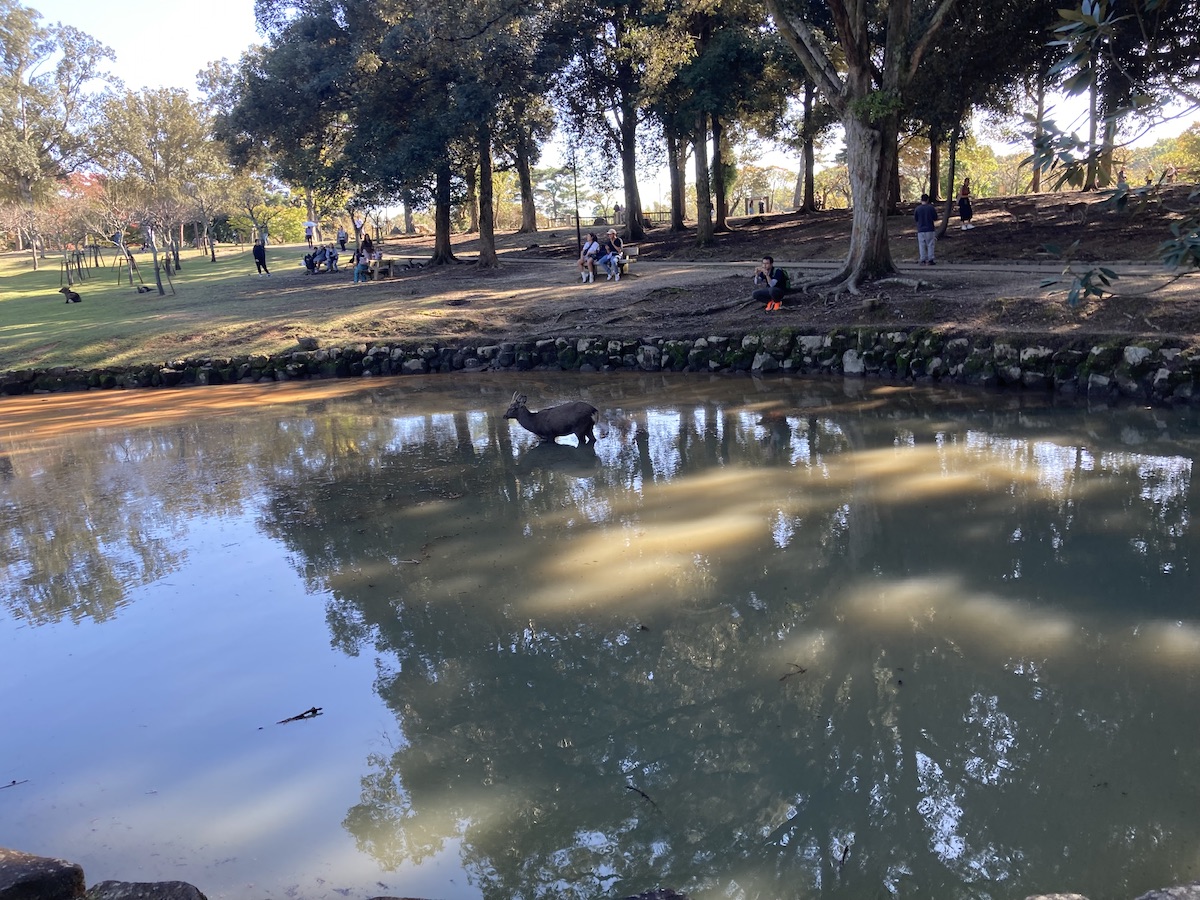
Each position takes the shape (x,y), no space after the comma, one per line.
(1147,371)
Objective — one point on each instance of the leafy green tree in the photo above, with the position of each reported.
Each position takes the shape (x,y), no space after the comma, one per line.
(46,110)
(602,90)
(866,77)
(158,140)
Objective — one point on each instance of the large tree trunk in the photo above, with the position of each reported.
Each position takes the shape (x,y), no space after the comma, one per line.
(469,175)
(870,159)
(806,178)
(154,257)
(443,252)
(634,225)
(941,233)
(525,180)
(1089,181)
(487,214)
(1036,183)
(935,166)
(675,181)
(406,198)
(720,200)
(704,224)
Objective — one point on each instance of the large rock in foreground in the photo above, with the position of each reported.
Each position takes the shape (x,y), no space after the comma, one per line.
(27,877)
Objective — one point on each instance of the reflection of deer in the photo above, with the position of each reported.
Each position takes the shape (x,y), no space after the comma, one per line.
(577,418)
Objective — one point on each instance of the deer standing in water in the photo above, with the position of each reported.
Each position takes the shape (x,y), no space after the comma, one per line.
(577,418)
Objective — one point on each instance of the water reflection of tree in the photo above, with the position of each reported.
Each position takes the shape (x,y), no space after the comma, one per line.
(530,732)
(535,680)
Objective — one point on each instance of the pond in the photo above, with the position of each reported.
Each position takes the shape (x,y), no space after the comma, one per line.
(769,638)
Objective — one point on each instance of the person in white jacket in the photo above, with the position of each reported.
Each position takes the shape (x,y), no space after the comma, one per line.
(587,258)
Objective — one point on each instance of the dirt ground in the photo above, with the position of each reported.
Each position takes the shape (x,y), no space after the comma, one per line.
(988,279)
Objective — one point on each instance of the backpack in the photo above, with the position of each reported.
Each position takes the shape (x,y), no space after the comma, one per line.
(781,279)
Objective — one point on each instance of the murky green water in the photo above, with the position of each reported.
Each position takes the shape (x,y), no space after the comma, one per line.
(770,639)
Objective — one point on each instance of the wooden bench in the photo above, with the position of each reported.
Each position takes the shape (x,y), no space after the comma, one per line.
(382,268)
(631,254)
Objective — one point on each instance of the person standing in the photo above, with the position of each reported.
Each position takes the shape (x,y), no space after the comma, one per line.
(362,265)
(342,237)
(925,215)
(260,259)
(964,204)
(308,235)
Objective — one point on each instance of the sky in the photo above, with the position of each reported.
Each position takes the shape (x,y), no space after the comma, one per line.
(160,45)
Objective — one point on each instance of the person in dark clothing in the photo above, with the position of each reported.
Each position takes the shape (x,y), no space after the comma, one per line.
(964,205)
(260,259)
(925,215)
(774,283)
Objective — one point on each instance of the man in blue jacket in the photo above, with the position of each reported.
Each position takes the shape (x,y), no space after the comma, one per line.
(925,215)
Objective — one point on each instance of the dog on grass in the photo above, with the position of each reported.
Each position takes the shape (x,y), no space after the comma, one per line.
(71,296)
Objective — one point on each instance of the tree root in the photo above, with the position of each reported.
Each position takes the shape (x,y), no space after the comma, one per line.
(915,283)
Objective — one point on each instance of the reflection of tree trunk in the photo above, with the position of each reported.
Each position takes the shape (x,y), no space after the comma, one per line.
(462,433)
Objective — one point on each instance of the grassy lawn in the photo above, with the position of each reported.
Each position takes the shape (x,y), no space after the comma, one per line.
(218,308)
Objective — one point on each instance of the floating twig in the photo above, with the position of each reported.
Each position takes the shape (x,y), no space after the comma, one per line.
(642,794)
(796,670)
(14,783)
(307,714)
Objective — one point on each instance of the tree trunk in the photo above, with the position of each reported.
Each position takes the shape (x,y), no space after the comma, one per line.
(673,174)
(941,232)
(720,200)
(808,156)
(798,190)
(635,229)
(1036,183)
(704,224)
(310,211)
(407,199)
(212,241)
(1089,181)
(154,256)
(469,175)
(1105,172)
(935,167)
(870,160)
(443,252)
(487,214)
(525,180)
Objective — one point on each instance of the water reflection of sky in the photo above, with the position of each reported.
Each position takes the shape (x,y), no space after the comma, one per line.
(766,637)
